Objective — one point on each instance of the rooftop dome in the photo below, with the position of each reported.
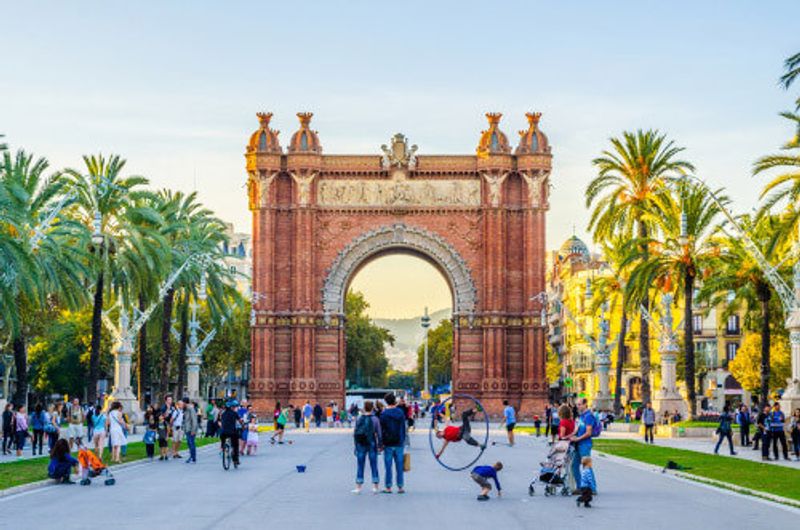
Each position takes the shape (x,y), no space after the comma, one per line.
(533,140)
(493,140)
(574,248)
(264,140)
(305,140)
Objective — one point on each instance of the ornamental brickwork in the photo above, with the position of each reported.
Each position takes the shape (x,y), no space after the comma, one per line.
(318,219)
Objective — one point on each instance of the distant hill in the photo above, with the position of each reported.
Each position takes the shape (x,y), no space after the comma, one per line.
(408,334)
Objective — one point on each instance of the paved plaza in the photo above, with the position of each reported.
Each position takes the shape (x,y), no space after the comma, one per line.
(267,491)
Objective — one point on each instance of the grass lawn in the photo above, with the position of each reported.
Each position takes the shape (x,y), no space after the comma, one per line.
(35,469)
(707,424)
(768,478)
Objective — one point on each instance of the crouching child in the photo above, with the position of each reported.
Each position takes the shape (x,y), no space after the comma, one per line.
(482,474)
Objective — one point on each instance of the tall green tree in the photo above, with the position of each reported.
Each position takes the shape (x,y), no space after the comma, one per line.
(365,344)
(630,177)
(440,355)
(678,256)
(43,252)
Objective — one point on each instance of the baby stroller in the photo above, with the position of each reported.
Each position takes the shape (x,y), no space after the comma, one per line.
(92,466)
(553,473)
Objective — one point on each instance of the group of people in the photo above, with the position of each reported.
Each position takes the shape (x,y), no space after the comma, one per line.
(170,424)
(771,426)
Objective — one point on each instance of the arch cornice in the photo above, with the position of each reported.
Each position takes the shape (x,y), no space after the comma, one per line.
(401,237)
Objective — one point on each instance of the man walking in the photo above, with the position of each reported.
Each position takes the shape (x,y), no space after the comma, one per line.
(75,424)
(190,427)
(393,428)
(583,442)
(308,411)
(649,421)
(176,420)
(511,421)
(762,422)
(743,419)
(777,420)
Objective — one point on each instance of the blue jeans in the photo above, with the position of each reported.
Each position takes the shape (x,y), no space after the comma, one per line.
(192,447)
(584,449)
(393,454)
(362,452)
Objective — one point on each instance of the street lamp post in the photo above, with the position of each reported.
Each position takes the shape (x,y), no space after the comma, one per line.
(667,398)
(426,323)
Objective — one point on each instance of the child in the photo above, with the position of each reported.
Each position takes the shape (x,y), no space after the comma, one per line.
(280,426)
(482,474)
(537,423)
(456,434)
(587,482)
(61,462)
(252,436)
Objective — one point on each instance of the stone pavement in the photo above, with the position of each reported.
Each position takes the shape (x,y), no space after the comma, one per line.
(266,491)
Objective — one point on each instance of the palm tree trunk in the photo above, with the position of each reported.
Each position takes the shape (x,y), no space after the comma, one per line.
(764,295)
(688,342)
(143,363)
(182,347)
(97,330)
(21,367)
(623,328)
(166,344)
(644,332)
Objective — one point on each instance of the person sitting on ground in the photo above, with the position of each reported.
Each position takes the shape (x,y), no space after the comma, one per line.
(61,463)
(451,433)
(588,484)
(482,474)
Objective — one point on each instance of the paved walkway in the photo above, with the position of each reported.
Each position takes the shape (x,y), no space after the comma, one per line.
(266,491)
(26,453)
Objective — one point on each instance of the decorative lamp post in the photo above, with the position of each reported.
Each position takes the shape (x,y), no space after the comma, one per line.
(667,397)
(425,322)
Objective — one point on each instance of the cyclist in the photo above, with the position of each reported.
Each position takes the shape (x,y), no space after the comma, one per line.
(229,428)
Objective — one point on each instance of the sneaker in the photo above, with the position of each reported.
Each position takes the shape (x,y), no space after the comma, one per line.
(734,453)
(375,489)
(356,491)
(177,456)
(483,497)
(386,490)
(400,491)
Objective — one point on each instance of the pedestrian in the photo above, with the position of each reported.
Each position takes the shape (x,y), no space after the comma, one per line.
(151,431)
(329,415)
(583,442)
(649,421)
(308,412)
(537,424)
(588,486)
(298,416)
(482,474)
(368,440)
(762,432)
(548,414)
(743,419)
(275,413)
(794,432)
(554,421)
(566,429)
(20,429)
(89,421)
(229,425)
(61,463)
(344,418)
(393,429)
(100,431)
(510,416)
(777,420)
(251,446)
(38,422)
(51,427)
(117,431)
(176,422)
(75,419)
(628,412)
(318,415)
(8,428)
(163,433)
(191,424)
(724,430)
(280,427)
(211,416)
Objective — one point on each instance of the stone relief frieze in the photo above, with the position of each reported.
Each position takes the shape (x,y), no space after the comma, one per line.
(399,192)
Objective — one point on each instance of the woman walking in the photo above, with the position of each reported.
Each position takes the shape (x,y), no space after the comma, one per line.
(51,427)
(724,430)
(566,428)
(367,437)
(794,432)
(116,431)
(20,428)
(37,425)
(99,432)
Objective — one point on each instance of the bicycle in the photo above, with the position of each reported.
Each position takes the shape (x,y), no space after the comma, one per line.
(226,454)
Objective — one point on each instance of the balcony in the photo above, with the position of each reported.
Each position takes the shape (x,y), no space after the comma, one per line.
(732,332)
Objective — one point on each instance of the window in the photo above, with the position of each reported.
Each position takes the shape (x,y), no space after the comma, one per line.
(733,325)
(697,324)
(731,349)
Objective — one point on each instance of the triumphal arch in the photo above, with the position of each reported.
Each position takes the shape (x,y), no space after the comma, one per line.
(318,218)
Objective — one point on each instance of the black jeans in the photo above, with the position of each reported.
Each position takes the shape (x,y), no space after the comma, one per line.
(38,439)
(722,436)
(765,440)
(648,433)
(796,442)
(744,435)
(777,436)
(150,449)
(465,431)
(8,439)
(234,438)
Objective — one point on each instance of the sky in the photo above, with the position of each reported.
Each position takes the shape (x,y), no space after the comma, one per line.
(174,86)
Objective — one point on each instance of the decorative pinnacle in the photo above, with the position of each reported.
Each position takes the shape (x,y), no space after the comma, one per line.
(533,118)
(494,117)
(305,118)
(263,118)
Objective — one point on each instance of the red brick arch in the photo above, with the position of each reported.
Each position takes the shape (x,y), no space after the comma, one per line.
(318,218)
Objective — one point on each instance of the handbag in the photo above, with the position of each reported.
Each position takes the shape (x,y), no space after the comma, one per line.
(406,462)
(149,437)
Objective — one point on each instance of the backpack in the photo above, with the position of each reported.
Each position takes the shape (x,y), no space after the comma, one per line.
(364,431)
(597,427)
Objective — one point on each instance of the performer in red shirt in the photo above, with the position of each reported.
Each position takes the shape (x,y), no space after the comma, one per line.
(452,433)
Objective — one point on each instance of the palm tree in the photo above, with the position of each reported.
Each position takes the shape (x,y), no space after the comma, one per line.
(678,256)
(737,273)
(631,176)
(792,67)
(112,205)
(42,254)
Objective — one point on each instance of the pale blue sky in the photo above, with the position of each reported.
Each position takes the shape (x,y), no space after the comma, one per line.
(173,86)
